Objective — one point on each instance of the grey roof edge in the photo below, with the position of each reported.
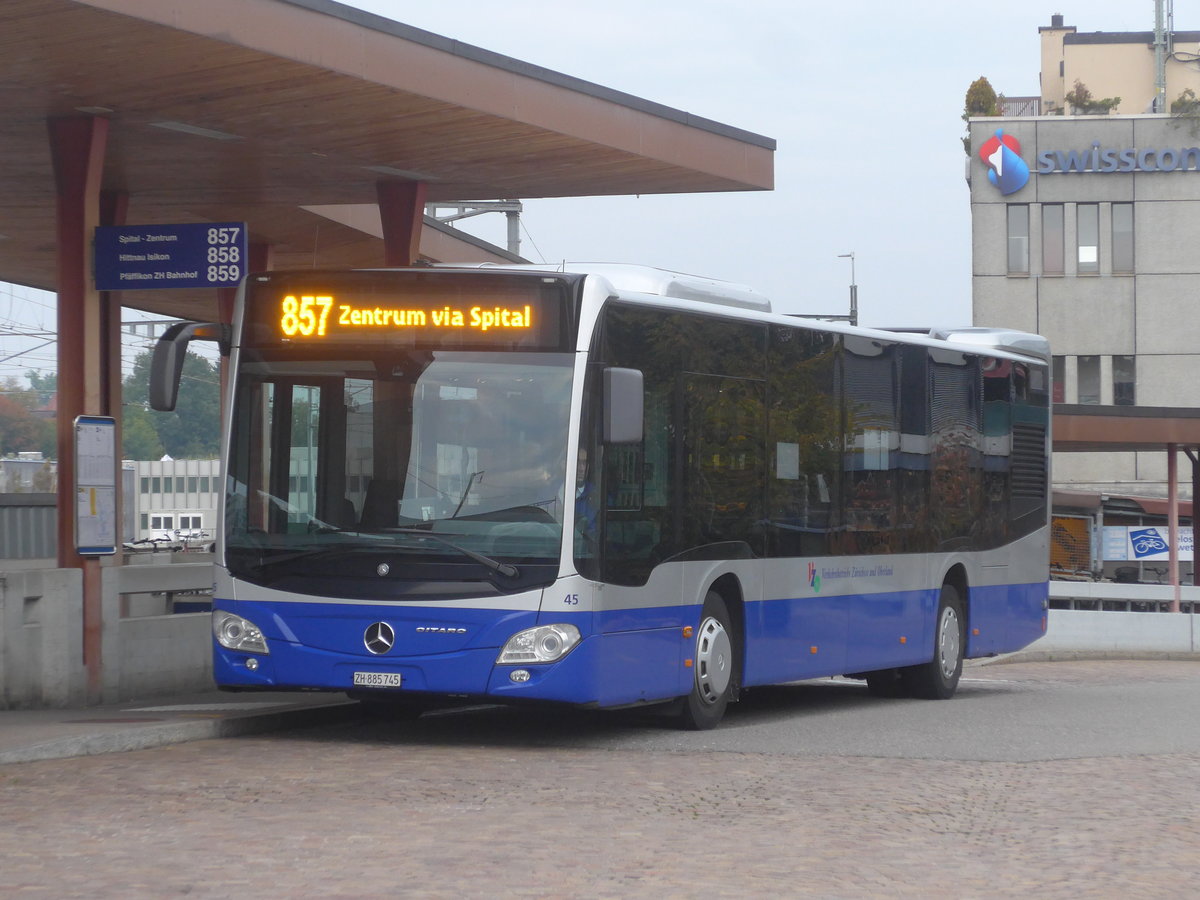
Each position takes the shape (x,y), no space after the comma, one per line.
(509,64)
(1125,37)
(1127,412)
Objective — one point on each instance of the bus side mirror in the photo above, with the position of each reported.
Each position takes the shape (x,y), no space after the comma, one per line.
(623,402)
(166,366)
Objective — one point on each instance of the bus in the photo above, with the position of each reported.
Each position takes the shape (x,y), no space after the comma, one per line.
(611,486)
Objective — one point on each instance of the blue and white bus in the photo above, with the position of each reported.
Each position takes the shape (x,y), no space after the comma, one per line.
(611,486)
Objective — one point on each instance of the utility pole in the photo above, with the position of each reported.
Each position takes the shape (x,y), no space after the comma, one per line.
(465,209)
(853,288)
(853,317)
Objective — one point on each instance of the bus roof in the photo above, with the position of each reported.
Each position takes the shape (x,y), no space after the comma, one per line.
(661,283)
(647,280)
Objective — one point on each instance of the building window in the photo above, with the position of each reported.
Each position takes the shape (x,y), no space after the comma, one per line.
(204,484)
(145,485)
(1052,239)
(156,485)
(145,521)
(1088,238)
(156,522)
(1089,380)
(1018,239)
(1124,380)
(191,484)
(1122,238)
(179,485)
(1058,373)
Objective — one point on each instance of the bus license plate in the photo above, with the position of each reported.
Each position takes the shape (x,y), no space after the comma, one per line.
(377,679)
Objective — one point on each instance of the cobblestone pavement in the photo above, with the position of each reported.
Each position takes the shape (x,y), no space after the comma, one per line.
(367,810)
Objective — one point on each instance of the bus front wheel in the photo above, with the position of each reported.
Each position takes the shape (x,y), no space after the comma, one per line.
(714,665)
(938,678)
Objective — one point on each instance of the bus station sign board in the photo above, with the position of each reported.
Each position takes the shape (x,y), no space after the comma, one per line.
(150,257)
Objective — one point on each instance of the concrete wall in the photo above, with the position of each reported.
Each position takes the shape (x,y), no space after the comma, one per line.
(41,637)
(1074,632)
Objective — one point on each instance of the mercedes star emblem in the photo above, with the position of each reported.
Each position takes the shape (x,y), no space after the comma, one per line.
(379,638)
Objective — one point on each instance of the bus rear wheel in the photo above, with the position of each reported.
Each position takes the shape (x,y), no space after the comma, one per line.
(714,665)
(938,678)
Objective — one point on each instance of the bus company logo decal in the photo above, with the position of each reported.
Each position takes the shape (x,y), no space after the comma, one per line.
(1001,153)
(814,580)
(379,638)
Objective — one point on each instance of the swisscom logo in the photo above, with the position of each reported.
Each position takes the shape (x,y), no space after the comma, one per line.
(1001,153)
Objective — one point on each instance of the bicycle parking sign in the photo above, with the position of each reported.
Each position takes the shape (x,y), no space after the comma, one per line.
(1145,542)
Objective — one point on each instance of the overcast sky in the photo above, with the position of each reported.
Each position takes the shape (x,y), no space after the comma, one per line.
(864,99)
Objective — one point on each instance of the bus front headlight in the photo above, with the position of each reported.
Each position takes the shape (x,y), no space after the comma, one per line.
(544,644)
(235,633)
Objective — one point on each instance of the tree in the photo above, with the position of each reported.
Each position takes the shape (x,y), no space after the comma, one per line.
(139,440)
(193,430)
(1186,104)
(1186,109)
(981,100)
(45,386)
(18,393)
(21,431)
(1083,103)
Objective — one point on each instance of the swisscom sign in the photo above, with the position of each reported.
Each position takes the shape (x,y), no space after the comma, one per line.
(1009,172)
(141,257)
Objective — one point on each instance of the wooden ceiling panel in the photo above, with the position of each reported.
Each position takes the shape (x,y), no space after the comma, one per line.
(307,121)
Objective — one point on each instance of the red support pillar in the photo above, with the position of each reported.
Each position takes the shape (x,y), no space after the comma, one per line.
(402,213)
(77,146)
(1173,522)
(113,208)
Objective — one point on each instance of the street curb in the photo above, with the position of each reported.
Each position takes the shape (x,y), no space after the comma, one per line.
(1024,656)
(163,734)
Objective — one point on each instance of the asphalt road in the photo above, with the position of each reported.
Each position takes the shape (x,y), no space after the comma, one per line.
(1076,779)
(1013,713)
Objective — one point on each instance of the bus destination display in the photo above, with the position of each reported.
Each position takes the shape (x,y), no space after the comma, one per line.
(312,316)
(407,310)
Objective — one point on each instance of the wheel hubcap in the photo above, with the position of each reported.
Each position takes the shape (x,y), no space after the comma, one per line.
(714,660)
(949,642)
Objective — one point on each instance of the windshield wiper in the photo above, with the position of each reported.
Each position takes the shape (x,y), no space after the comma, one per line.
(466,490)
(315,553)
(509,571)
(310,553)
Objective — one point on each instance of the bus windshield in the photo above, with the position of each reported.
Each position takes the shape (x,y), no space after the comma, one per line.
(424,465)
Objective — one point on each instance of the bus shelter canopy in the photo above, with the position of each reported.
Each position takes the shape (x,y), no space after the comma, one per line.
(262,110)
(1087,428)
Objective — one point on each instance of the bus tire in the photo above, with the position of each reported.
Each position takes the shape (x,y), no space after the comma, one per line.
(714,665)
(938,678)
